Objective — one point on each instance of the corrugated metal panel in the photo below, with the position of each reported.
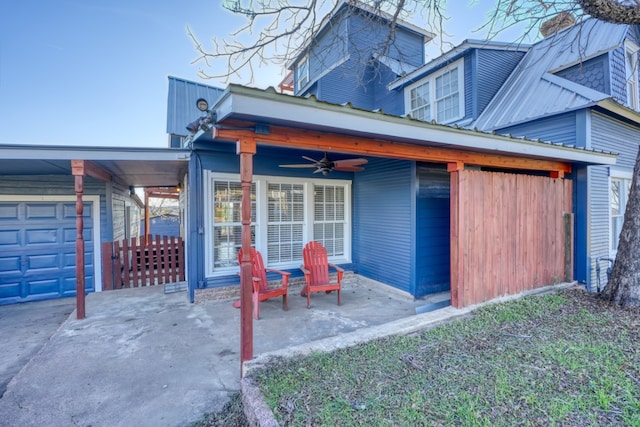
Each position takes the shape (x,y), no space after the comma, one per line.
(530,92)
(493,68)
(383,229)
(598,237)
(560,129)
(181,104)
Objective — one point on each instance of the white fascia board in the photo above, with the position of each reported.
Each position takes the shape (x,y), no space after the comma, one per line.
(28,152)
(615,107)
(336,118)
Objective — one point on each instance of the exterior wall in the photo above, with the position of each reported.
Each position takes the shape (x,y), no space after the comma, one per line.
(592,74)
(507,234)
(616,136)
(124,212)
(432,231)
(58,185)
(562,129)
(341,63)
(384,222)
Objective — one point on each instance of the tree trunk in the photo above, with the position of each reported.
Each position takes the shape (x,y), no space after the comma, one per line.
(624,285)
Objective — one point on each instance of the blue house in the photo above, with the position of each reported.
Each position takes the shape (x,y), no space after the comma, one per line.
(577,87)
(437,208)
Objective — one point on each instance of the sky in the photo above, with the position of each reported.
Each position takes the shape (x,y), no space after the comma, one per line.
(95,72)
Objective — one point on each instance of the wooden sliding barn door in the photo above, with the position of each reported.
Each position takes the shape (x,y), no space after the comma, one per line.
(508,234)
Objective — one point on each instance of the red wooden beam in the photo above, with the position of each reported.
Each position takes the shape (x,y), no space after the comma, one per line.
(322,141)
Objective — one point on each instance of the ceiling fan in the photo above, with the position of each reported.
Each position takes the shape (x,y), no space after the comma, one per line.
(325,165)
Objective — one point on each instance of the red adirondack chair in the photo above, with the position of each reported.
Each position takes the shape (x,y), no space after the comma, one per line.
(316,272)
(261,289)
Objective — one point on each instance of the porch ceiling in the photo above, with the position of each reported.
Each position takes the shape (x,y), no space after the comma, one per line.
(131,167)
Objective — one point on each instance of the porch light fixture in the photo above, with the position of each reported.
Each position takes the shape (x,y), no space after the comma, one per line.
(202,104)
(202,123)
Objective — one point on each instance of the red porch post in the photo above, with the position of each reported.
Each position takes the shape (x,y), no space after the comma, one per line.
(80,168)
(456,276)
(246,148)
(80,286)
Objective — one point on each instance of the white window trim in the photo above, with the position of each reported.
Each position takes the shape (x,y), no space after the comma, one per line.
(301,82)
(431,79)
(633,99)
(261,229)
(621,175)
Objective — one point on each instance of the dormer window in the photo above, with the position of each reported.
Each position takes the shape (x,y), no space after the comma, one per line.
(439,96)
(302,76)
(631,64)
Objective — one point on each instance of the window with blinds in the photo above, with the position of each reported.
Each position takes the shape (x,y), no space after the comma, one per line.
(329,218)
(286,213)
(285,222)
(227,225)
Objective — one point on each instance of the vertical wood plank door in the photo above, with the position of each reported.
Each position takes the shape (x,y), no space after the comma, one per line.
(508,232)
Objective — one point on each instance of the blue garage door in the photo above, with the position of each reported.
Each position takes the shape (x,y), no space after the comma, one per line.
(37,250)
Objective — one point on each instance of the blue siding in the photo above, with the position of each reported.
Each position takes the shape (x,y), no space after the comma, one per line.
(352,76)
(622,138)
(559,129)
(492,69)
(591,74)
(470,87)
(383,215)
(618,75)
(433,250)
(616,136)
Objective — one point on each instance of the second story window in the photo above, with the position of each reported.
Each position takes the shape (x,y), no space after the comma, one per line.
(631,65)
(302,73)
(439,96)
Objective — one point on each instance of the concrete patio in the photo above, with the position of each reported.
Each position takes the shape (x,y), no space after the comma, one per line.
(146,357)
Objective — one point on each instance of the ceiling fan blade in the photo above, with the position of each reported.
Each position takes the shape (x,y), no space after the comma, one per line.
(310,159)
(348,169)
(298,166)
(349,162)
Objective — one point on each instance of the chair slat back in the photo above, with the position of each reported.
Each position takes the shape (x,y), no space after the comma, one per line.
(257,266)
(316,261)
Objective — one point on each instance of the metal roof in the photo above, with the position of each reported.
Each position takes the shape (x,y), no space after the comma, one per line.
(138,167)
(269,107)
(532,91)
(181,105)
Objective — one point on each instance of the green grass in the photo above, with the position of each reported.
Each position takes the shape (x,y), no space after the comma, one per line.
(561,359)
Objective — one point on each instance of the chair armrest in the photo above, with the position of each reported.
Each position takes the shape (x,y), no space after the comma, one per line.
(285,276)
(284,273)
(336,267)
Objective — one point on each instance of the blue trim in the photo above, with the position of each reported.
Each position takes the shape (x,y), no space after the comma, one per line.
(580,209)
(413,241)
(195,231)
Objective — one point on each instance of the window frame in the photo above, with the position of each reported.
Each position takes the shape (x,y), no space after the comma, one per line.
(302,80)
(625,179)
(430,80)
(261,224)
(631,74)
